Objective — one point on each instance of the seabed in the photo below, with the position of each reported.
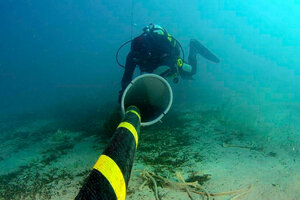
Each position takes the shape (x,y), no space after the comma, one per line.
(193,154)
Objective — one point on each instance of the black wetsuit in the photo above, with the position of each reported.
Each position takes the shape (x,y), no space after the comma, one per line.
(149,52)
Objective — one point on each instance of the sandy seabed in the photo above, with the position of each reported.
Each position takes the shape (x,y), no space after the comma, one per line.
(40,159)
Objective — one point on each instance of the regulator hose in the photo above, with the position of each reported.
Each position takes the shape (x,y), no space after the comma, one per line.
(125,43)
(117,54)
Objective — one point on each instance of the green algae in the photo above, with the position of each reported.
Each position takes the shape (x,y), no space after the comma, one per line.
(39,178)
(30,182)
(166,146)
(160,145)
(163,146)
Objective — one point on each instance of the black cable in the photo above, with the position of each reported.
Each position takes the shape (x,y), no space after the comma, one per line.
(117,54)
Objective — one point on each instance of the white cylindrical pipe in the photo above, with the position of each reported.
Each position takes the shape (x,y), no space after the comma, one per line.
(153,96)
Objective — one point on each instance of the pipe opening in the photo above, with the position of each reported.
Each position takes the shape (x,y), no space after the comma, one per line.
(151,94)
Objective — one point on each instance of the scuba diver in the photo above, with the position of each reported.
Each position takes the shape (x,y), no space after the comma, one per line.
(154,48)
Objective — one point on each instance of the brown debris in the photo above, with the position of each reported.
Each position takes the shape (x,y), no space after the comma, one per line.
(189,187)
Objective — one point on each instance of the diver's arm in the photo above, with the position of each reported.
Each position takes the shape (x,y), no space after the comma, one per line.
(129,69)
(128,73)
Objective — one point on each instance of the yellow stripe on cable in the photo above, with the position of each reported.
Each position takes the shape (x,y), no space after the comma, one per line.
(131,128)
(137,114)
(111,171)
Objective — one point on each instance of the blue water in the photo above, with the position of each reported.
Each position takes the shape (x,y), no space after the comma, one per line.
(54,51)
(58,54)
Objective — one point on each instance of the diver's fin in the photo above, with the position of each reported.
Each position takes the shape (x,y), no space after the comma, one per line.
(203,51)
